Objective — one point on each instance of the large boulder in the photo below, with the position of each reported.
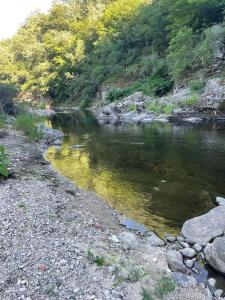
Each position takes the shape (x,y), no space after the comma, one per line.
(206,227)
(214,94)
(215,254)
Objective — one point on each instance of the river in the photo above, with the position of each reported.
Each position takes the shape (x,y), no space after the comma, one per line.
(158,174)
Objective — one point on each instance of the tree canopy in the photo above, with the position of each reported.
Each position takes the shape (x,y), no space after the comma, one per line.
(79,45)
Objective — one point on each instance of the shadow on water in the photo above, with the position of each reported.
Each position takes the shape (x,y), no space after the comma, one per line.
(158,174)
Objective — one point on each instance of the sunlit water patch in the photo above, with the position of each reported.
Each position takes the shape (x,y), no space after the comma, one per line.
(159,174)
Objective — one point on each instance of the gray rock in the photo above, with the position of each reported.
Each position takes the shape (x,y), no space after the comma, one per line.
(154,240)
(206,227)
(211,282)
(220,200)
(215,254)
(184,281)
(185,245)
(57,142)
(189,263)
(175,261)
(180,239)
(114,239)
(128,240)
(170,238)
(49,134)
(218,293)
(188,252)
(193,120)
(197,247)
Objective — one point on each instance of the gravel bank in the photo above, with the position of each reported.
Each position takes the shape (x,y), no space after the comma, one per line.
(60,242)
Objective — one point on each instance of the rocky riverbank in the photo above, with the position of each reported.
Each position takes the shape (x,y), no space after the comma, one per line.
(182,106)
(61,242)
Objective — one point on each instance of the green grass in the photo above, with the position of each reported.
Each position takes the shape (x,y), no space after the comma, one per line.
(132,107)
(164,286)
(192,101)
(99,260)
(197,85)
(2,120)
(159,108)
(4,162)
(27,123)
(145,295)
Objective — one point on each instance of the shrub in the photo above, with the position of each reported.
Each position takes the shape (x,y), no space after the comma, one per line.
(2,120)
(192,101)
(116,94)
(27,123)
(165,285)
(180,53)
(159,108)
(7,94)
(196,85)
(4,162)
(211,41)
(132,107)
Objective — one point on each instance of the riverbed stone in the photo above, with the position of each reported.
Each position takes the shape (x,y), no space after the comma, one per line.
(218,293)
(188,252)
(185,245)
(211,282)
(170,238)
(197,247)
(184,281)
(175,261)
(153,240)
(220,201)
(204,228)
(189,263)
(128,240)
(215,254)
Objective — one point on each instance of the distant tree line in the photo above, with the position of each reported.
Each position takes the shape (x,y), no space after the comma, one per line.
(79,45)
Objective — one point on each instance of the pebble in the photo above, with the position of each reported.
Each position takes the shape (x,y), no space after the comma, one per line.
(218,293)
(197,247)
(189,263)
(170,239)
(185,245)
(188,252)
(211,282)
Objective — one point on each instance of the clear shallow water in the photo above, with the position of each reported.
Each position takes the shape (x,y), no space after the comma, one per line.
(158,174)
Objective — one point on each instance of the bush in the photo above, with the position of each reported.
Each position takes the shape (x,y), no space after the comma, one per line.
(4,162)
(7,94)
(2,120)
(180,53)
(192,101)
(159,108)
(165,286)
(196,85)
(211,41)
(27,123)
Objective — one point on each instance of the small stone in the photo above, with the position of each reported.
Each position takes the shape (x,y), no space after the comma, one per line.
(180,239)
(220,201)
(188,252)
(218,293)
(128,240)
(114,239)
(189,263)
(185,245)
(211,282)
(197,247)
(170,239)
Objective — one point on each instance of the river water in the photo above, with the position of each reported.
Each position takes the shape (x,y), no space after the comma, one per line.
(158,174)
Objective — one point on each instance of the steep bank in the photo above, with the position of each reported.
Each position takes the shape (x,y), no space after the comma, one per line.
(60,242)
(184,105)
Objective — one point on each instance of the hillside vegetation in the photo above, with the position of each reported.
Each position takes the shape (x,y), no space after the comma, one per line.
(148,46)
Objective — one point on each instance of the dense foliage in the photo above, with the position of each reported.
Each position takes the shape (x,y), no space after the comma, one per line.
(4,163)
(79,45)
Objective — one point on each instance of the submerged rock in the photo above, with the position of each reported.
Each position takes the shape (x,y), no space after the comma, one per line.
(204,228)
(215,254)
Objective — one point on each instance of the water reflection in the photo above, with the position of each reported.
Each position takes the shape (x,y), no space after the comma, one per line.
(158,174)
